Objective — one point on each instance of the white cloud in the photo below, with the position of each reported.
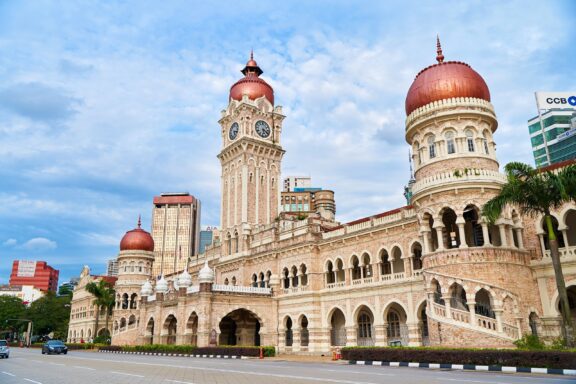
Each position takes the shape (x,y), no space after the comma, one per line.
(39,244)
(10,242)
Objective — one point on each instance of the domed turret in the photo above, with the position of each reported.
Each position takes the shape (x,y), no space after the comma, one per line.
(184,280)
(206,274)
(161,285)
(146,289)
(137,240)
(252,85)
(445,80)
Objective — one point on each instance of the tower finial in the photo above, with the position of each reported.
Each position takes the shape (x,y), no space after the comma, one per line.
(440,56)
(252,54)
(139,221)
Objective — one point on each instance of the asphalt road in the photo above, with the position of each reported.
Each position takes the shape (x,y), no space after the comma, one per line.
(30,366)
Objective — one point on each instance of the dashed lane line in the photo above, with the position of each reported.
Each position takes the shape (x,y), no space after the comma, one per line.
(480,381)
(180,382)
(33,381)
(8,373)
(80,367)
(126,374)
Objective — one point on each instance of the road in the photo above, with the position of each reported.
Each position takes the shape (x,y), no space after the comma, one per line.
(30,366)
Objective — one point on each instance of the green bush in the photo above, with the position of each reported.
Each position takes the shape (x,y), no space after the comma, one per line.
(529,342)
(223,350)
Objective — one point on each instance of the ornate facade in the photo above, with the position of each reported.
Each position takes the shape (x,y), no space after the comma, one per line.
(431,273)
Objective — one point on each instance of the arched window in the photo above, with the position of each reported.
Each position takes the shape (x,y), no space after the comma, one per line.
(330,278)
(226,282)
(254,280)
(304,276)
(261,282)
(417,256)
(450,147)
(470,140)
(431,147)
(385,265)
(294,273)
(125,301)
(268,275)
(289,336)
(233,280)
(229,244)
(393,324)
(356,274)
(286,276)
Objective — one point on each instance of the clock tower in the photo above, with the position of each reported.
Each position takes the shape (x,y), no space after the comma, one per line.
(251,156)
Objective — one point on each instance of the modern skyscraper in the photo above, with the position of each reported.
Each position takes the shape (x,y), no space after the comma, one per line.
(175,230)
(560,128)
(205,238)
(112,269)
(36,273)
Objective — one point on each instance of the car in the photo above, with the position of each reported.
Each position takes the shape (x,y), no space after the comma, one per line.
(4,349)
(54,346)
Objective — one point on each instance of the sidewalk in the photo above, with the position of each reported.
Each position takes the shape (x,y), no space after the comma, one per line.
(327,358)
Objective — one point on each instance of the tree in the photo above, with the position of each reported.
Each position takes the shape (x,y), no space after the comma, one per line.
(10,308)
(104,298)
(537,192)
(50,314)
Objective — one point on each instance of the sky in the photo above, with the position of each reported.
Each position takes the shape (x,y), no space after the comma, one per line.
(104,105)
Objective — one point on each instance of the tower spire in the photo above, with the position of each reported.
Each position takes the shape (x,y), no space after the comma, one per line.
(439,55)
(252,54)
(139,221)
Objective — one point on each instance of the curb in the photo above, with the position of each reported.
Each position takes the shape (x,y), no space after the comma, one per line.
(468,367)
(178,355)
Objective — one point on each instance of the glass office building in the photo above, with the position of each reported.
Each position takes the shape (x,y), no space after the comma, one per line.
(560,129)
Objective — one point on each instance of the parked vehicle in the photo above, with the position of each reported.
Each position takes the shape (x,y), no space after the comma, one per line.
(4,349)
(54,346)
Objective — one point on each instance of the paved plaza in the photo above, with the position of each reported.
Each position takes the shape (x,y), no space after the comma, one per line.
(29,366)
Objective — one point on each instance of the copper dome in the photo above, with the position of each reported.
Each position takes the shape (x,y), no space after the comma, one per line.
(251,84)
(445,80)
(137,240)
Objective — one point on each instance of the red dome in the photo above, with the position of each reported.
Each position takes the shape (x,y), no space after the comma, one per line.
(252,84)
(137,240)
(445,80)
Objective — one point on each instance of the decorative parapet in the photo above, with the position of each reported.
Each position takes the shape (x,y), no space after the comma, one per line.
(458,176)
(385,218)
(566,254)
(193,289)
(431,109)
(241,289)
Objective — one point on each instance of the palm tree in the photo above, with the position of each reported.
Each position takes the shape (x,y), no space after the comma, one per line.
(104,297)
(537,192)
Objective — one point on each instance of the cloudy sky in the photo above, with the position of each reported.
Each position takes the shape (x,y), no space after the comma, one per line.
(105,104)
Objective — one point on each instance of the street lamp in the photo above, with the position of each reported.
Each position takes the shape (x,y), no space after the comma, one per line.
(28,332)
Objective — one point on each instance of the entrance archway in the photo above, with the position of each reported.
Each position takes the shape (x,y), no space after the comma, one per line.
(150,331)
(169,329)
(192,328)
(338,328)
(240,327)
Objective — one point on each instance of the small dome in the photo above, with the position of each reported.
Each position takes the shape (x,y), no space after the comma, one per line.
(445,80)
(184,280)
(252,85)
(162,285)
(206,274)
(137,240)
(146,289)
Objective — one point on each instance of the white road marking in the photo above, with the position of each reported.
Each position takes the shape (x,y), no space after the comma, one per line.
(180,382)
(126,374)
(357,372)
(57,364)
(33,381)
(480,381)
(80,367)
(8,373)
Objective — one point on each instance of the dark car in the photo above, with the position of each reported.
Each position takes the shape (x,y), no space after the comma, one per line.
(4,349)
(54,346)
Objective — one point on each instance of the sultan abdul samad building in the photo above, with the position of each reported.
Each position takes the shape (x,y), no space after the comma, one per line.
(431,273)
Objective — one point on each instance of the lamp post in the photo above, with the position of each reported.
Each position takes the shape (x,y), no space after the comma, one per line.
(28,331)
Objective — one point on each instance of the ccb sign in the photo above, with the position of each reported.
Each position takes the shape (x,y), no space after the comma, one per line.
(547,100)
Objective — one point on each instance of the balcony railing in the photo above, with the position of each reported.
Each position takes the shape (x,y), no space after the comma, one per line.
(241,289)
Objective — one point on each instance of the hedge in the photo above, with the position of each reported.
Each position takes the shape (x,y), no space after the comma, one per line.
(223,350)
(500,357)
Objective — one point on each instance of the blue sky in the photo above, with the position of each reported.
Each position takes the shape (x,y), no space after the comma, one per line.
(105,104)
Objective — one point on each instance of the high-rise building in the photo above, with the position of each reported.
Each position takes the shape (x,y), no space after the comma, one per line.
(112,269)
(293,182)
(35,273)
(205,238)
(175,230)
(560,128)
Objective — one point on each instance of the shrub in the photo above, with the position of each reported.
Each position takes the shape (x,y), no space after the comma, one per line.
(500,357)
(223,350)
(530,342)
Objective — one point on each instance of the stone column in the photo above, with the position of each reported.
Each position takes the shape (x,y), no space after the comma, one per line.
(376,271)
(460,222)
(351,336)
(438,226)
(498,313)
(564,235)
(511,236)
(519,237)
(448,306)
(502,229)
(485,233)
(296,347)
(408,265)
(414,337)
(282,339)
(542,245)
(426,241)
(380,335)
(472,309)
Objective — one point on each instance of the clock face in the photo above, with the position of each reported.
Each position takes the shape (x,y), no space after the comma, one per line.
(262,128)
(233,131)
